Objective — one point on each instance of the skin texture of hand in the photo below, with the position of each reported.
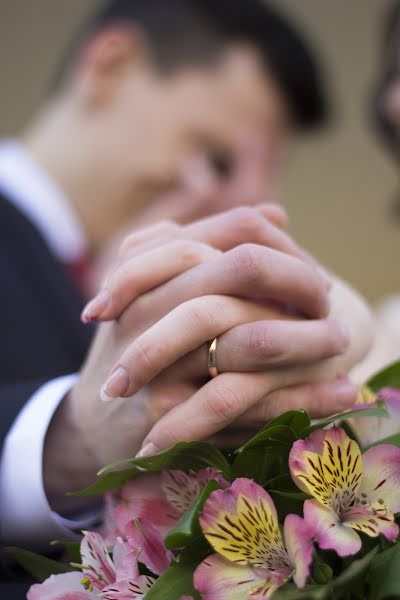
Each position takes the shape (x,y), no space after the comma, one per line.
(165,345)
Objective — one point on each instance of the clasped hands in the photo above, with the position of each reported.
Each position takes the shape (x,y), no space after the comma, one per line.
(288,333)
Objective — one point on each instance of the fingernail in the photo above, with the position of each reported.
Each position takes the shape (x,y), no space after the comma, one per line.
(147,450)
(105,397)
(116,385)
(346,394)
(96,306)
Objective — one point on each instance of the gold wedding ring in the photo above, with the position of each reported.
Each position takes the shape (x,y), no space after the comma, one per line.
(212,358)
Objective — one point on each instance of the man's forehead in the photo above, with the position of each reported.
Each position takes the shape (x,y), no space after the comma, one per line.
(249,88)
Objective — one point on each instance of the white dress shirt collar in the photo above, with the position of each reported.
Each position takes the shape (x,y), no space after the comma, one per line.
(32,191)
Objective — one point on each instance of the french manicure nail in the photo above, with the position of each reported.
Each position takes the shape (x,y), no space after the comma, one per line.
(105,397)
(147,450)
(116,385)
(96,306)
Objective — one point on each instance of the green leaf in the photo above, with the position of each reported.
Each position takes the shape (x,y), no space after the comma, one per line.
(283,482)
(311,592)
(394,440)
(188,527)
(185,456)
(355,572)
(384,575)
(388,377)
(321,572)
(73,549)
(376,411)
(259,463)
(282,431)
(290,495)
(195,552)
(108,482)
(40,567)
(277,435)
(174,583)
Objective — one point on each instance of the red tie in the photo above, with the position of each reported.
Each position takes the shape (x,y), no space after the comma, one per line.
(78,271)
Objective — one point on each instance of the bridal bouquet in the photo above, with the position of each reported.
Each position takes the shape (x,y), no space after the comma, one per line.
(302,510)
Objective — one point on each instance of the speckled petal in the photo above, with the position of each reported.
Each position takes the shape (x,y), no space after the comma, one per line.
(328,531)
(332,476)
(128,589)
(97,564)
(140,498)
(265,591)
(372,520)
(66,586)
(125,558)
(241,524)
(181,489)
(381,479)
(218,579)
(143,536)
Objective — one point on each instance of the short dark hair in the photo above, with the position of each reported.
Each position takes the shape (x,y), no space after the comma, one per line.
(181,32)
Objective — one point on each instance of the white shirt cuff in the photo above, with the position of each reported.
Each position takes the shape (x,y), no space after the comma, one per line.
(26,518)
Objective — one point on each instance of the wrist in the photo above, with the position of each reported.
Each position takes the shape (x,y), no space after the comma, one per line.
(68,463)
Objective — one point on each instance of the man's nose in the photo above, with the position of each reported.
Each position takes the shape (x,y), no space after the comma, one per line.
(198,175)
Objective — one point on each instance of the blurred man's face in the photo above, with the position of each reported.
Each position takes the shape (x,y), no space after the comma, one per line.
(156,123)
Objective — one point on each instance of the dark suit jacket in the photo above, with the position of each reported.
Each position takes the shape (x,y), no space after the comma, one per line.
(41,336)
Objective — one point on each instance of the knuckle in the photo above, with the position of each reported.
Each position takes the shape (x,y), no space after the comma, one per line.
(250,221)
(224,404)
(263,342)
(143,355)
(199,316)
(193,253)
(247,262)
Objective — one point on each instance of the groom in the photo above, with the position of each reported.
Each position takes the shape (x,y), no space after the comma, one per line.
(72,184)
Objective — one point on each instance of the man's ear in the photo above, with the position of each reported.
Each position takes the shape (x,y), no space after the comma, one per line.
(104,59)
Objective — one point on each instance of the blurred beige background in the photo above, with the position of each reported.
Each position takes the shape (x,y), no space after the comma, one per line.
(339,185)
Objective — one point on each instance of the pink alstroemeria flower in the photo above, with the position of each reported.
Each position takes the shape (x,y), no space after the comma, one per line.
(252,558)
(377,428)
(351,492)
(109,579)
(159,498)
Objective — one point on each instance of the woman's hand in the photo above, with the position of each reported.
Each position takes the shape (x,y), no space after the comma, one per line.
(160,338)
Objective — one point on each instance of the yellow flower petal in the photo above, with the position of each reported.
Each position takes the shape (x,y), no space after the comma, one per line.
(332,474)
(241,525)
